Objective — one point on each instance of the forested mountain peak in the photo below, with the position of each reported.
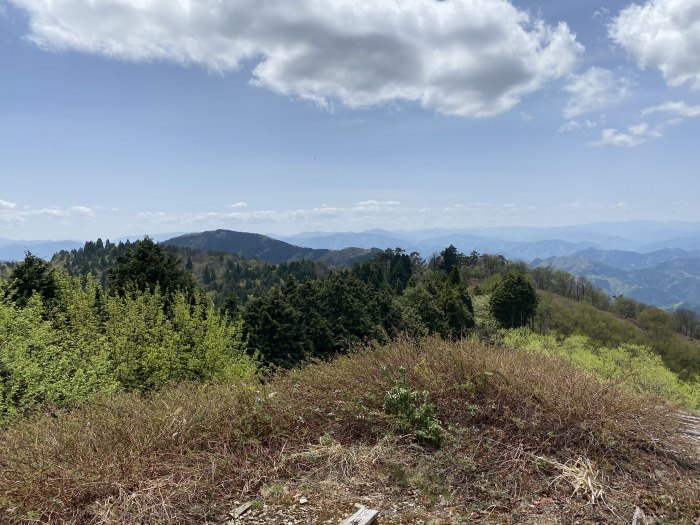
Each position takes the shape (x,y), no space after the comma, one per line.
(264,248)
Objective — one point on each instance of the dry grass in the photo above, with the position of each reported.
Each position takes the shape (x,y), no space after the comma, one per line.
(520,427)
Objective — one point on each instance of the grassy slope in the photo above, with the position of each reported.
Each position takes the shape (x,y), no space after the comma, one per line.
(527,438)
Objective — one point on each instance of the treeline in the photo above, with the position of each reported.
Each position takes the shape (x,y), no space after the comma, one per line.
(303,309)
(235,281)
(232,279)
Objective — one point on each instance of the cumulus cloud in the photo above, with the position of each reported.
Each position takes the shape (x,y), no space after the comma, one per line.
(470,58)
(678,109)
(238,205)
(663,34)
(594,90)
(7,205)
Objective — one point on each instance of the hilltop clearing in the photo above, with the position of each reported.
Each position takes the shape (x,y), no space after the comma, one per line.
(430,432)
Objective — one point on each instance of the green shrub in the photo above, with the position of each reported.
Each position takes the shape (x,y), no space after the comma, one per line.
(412,409)
(86,344)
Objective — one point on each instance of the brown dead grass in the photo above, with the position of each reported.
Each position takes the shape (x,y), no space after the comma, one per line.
(520,429)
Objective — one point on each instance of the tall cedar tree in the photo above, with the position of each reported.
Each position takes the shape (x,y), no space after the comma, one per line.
(513,301)
(146,266)
(30,276)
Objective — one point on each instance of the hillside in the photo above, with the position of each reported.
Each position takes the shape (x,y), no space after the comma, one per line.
(261,247)
(667,279)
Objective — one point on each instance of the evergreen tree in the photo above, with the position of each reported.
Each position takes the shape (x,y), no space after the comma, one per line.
(30,276)
(146,266)
(513,301)
(450,258)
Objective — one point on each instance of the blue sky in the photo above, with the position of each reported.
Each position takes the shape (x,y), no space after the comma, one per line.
(131,116)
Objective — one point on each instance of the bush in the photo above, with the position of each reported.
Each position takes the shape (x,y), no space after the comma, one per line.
(413,410)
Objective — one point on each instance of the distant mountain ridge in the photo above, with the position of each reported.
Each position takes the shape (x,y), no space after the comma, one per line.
(522,242)
(11,250)
(264,248)
(666,278)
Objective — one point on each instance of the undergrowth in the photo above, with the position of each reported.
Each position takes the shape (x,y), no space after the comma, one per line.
(519,427)
(635,365)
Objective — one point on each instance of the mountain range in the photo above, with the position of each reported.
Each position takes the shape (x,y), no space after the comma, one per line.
(657,263)
(666,278)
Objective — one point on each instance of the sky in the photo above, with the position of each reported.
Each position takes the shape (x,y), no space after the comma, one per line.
(120,117)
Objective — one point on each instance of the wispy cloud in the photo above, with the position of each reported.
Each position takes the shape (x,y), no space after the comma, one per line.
(11,213)
(633,136)
(370,213)
(594,90)
(675,113)
(678,108)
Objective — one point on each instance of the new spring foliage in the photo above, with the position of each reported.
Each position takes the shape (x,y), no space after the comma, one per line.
(87,343)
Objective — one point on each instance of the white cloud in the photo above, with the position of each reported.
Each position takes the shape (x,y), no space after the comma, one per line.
(372,204)
(679,109)
(238,205)
(572,125)
(603,12)
(368,208)
(11,214)
(594,90)
(633,136)
(663,34)
(643,131)
(469,58)
(83,211)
